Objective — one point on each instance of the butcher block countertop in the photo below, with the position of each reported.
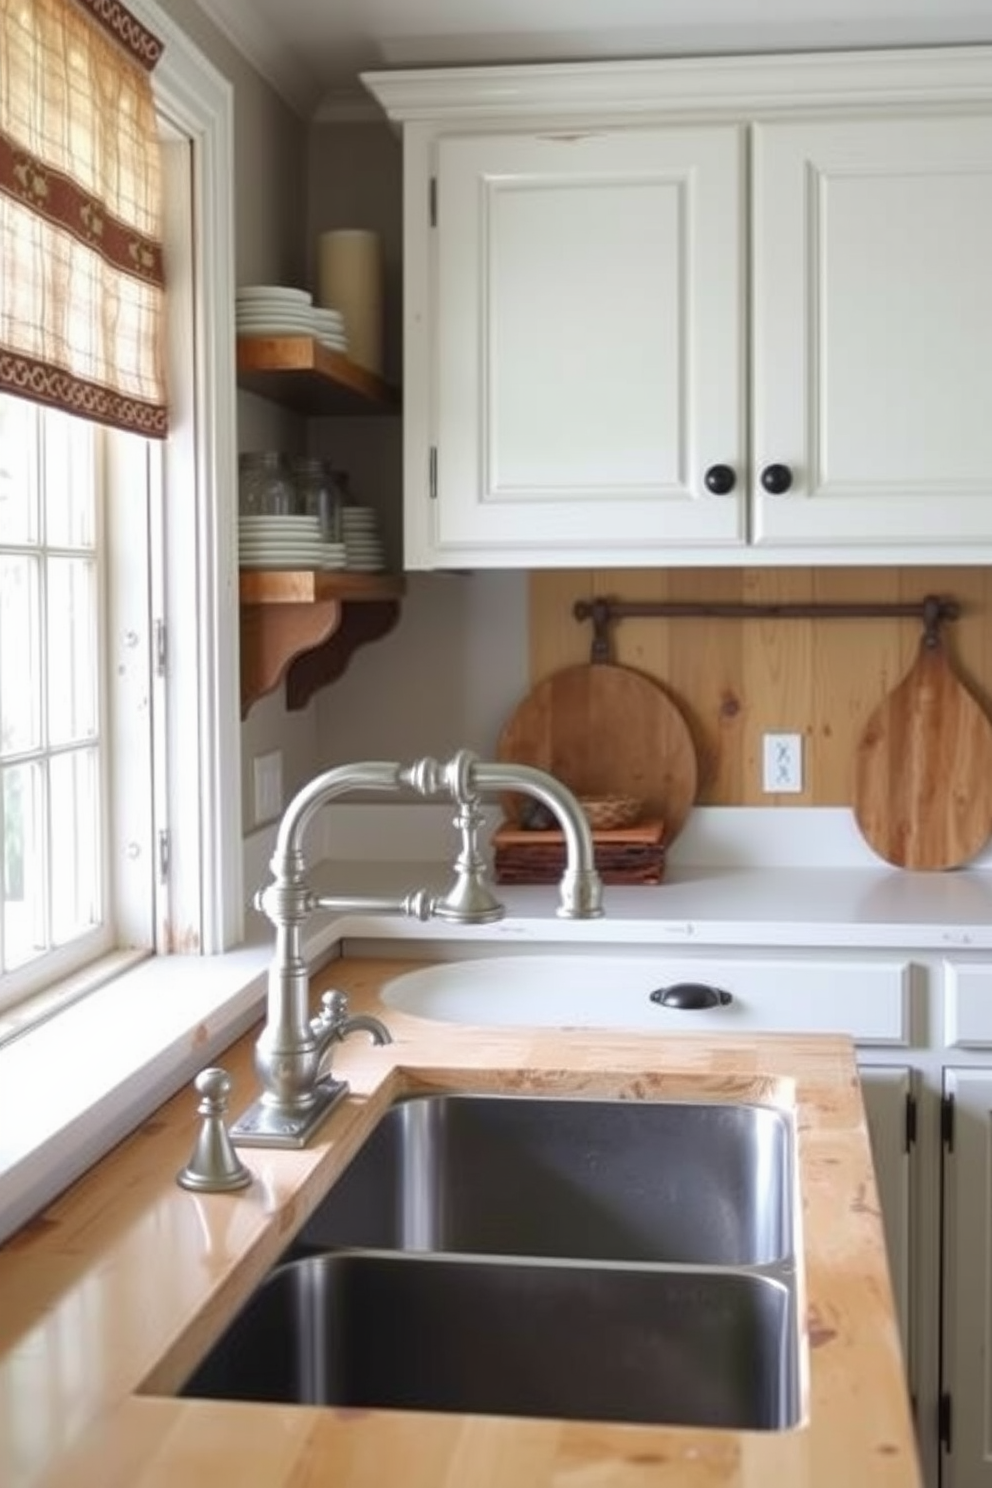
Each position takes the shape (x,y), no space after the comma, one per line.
(110,1297)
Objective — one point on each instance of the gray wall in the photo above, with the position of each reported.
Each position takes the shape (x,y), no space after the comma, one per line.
(270,159)
(270,188)
(456,662)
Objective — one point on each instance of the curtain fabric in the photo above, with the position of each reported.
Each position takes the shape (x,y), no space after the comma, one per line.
(81,278)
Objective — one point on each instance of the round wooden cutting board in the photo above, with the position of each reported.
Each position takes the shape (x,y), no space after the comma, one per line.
(605,729)
(923,770)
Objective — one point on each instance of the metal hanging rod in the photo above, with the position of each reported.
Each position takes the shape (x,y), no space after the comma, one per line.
(932,611)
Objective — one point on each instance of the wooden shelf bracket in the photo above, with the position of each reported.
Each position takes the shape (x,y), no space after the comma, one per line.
(308,644)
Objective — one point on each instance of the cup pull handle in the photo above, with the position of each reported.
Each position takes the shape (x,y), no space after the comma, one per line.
(690,996)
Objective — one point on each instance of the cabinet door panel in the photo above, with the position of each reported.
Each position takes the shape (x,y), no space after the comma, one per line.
(966,1360)
(886,1090)
(872,321)
(589,345)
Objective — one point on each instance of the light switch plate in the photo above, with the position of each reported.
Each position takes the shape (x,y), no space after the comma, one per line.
(268,786)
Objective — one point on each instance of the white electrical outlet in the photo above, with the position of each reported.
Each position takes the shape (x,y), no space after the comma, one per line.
(782,763)
(268,786)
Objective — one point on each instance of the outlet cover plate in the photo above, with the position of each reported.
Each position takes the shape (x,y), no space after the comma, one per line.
(782,764)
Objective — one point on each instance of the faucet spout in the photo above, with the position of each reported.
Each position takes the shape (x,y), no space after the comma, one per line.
(334,1023)
(293,1049)
(580,889)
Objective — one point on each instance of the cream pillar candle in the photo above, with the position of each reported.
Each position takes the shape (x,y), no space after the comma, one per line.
(350,280)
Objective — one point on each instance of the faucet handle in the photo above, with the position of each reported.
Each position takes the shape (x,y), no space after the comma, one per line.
(214,1166)
(334,1012)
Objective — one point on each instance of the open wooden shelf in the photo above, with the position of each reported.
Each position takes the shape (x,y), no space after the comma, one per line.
(303,625)
(299,373)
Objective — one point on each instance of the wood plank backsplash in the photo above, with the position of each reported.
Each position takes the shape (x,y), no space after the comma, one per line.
(736,680)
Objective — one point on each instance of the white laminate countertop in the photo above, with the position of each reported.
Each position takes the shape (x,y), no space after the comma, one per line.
(742,877)
(850,908)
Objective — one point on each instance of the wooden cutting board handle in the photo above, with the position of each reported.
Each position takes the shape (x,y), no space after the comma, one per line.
(923,769)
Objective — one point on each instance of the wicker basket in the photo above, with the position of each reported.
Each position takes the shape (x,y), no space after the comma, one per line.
(609,813)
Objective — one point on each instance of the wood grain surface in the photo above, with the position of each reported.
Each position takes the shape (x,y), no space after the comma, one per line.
(114,1294)
(923,770)
(735,680)
(606,730)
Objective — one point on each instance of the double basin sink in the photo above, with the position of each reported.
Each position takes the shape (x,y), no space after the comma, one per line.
(541,1256)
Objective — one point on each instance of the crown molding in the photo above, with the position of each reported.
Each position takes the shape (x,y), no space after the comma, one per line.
(704,84)
(259,42)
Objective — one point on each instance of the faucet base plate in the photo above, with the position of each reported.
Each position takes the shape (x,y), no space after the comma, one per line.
(268,1126)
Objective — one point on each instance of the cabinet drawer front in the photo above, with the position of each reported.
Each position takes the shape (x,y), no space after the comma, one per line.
(869,1000)
(968,1005)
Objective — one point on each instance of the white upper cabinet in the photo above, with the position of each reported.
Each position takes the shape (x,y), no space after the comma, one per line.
(698,312)
(589,334)
(871,329)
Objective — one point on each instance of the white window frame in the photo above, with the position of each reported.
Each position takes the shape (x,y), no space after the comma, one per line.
(107,1061)
(205,911)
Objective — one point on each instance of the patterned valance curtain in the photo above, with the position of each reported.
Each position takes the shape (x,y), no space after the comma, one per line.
(81,282)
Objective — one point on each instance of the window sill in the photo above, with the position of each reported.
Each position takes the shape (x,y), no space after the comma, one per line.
(75,1085)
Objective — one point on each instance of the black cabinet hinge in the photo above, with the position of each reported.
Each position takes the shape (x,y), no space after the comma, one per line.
(432,200)
(910,1122)
(944,1421)
(947,1122)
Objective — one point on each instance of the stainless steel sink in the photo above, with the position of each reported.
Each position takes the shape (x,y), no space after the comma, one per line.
(632,1181)
(527,1338)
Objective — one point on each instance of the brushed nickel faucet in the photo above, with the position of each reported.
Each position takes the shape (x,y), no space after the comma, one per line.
(293,1049)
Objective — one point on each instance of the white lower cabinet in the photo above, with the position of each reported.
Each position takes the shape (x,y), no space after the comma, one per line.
(889,1097)
(966,1355)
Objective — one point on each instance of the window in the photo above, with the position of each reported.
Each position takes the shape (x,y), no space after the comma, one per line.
(51,689)
(109,1061)
(147,531)
(76,694)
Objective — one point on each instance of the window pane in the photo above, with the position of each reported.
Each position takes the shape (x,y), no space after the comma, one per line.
(18,471)
(70,493)
(23,865)
(75,855)
(20,669)
(72,658)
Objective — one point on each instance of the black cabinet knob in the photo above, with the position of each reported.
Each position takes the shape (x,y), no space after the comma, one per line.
(776,479)
(720,479)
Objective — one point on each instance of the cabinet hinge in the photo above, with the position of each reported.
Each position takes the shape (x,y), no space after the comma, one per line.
(432,472)
(910,1122)
(164,854)
(160,648)
(947,1122)
(432,200)
(944,1421)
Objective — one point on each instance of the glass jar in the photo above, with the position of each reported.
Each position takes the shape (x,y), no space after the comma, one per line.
(265,486)
(317,494)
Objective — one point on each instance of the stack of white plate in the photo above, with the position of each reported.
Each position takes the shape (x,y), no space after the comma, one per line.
(286,542)
(328,327)
(279,310)
(362,543)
